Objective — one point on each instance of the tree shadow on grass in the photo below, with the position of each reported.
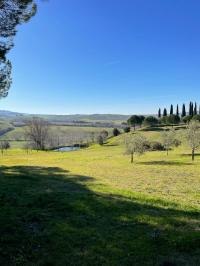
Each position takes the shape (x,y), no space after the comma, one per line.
(111,145)
(177,163)
(159,129)
(51,217)
(190,155)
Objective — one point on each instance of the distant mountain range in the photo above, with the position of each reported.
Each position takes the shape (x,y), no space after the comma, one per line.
(15,116)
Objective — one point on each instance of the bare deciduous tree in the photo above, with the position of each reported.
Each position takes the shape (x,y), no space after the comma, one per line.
(193,136)
(135,144)
(104,134)
(37,132)
(4,145)
(100,140)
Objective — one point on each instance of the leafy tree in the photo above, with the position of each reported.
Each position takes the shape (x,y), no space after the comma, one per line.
(186,119)
(168,139)
(177,110)
(159,113)
(171,109)
(193,136)
(12,13)
(116,132)
(163,120)
(127,129)
(173,119)
(165,112)
(133,121)
(135,144)
(150,121)
(141,119)
(183,114)
(196,118)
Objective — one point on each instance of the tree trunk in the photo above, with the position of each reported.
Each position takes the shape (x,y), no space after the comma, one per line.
(132,157)
(192,154)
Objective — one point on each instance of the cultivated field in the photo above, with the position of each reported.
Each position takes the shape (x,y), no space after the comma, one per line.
(92,207)
(67,135)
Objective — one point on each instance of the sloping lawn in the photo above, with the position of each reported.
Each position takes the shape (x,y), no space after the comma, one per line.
(92,207)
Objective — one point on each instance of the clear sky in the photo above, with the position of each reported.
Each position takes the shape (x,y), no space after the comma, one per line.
(106,56)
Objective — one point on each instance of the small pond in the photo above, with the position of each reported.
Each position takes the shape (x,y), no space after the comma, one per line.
(68,148)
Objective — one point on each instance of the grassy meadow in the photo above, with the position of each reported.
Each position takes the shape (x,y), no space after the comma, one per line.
(93,207)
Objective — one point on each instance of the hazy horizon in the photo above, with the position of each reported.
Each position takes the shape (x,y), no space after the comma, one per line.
(63,114)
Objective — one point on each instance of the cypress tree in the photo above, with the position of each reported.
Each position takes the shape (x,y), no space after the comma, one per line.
(195,109)
(177,110)
(171,110)
(192,109)
(165,112)
(189,109)
(159,113)
(183,111)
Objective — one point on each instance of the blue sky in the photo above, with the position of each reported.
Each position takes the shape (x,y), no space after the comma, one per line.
(106,56)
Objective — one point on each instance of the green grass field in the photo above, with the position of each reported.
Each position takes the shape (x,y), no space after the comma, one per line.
(92,207)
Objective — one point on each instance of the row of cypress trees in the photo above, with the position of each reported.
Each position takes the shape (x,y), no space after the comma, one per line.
(193,110)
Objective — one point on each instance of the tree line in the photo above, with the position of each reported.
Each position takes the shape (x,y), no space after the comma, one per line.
(175,115)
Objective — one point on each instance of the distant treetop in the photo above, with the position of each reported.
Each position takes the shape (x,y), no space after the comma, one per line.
(193,110)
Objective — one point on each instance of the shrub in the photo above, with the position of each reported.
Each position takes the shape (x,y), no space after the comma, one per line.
(156,146)
(127,129)
(147,145)
(186,119)
(116,132)
(177,142)
(196,118)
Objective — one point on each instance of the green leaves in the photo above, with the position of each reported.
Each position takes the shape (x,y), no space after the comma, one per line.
(12,13)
